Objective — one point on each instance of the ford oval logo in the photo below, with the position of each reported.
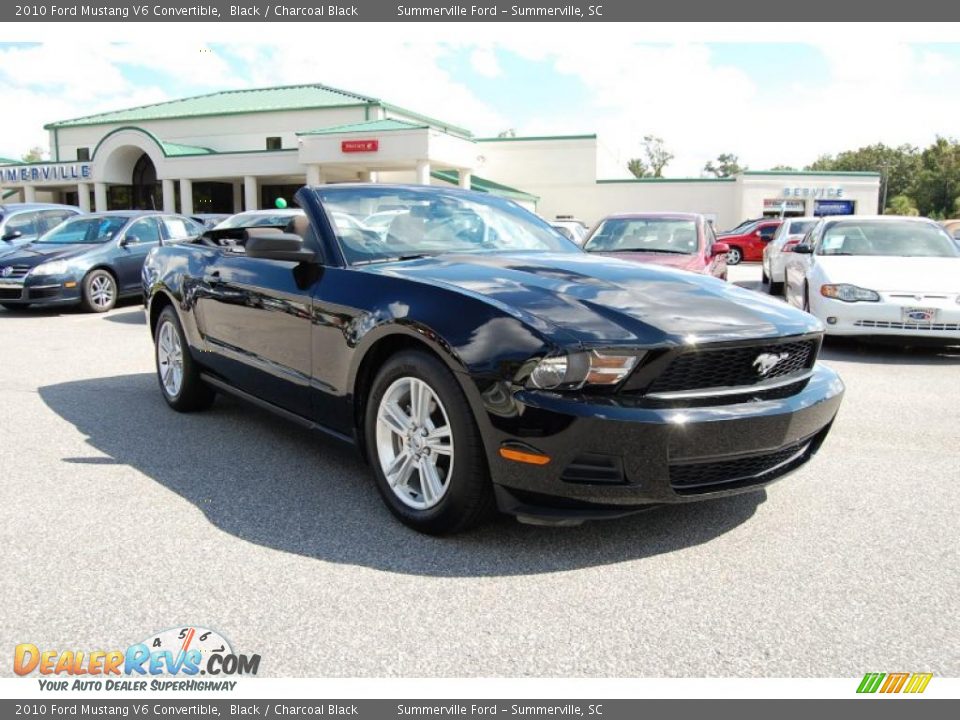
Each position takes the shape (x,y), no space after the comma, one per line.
(920,315)
(765,362)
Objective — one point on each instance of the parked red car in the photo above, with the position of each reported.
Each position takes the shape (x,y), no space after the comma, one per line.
(680,240)
(747,243)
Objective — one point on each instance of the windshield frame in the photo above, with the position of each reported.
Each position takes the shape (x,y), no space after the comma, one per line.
(124,221)
(852,221)
(331,198)
(693,222)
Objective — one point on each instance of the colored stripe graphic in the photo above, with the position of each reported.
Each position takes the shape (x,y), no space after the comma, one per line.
(870,682)
(913,683)
(894,683)
(918,683)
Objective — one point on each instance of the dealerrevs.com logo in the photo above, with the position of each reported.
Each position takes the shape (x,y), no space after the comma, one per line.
(184,652)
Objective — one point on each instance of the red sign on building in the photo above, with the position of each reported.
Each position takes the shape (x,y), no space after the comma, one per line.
(352,146)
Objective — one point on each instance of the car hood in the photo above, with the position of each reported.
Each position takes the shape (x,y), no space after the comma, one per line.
(37,253)
(893,274)
(682,262)
(596,300)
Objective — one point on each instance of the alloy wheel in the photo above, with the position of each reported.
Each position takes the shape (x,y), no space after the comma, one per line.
(169,359)
(102,291)
(414,442)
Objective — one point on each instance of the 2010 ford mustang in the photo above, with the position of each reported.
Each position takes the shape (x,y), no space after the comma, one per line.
(479,359)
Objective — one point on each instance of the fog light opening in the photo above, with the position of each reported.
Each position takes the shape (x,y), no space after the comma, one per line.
(831,321)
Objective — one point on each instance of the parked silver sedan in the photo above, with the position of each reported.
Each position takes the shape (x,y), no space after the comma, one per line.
(780,248)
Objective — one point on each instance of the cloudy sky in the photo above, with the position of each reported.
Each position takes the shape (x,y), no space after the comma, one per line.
(767,103)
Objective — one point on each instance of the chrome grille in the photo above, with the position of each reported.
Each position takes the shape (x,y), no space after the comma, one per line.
(885,325)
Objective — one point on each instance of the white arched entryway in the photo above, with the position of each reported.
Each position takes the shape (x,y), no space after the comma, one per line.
(132,157)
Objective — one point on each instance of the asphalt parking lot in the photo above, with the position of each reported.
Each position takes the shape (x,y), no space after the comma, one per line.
(121,518)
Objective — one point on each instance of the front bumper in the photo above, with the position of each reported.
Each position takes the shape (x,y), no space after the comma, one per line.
(49,290)
(609,459)
(886,317)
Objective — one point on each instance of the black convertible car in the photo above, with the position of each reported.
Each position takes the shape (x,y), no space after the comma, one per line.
(479,359)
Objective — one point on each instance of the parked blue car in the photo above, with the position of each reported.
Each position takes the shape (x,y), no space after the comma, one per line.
(22,223)
(90,259)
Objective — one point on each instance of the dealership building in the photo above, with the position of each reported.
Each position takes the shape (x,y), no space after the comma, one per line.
(242,149)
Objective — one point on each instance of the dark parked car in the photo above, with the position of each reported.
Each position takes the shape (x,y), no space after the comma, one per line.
(684,241)
(22,223)
(89,259)
(477,357)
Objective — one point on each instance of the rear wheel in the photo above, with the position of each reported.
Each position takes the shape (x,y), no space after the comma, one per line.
(734,256)
(99,291)
(177,373)
(424,446)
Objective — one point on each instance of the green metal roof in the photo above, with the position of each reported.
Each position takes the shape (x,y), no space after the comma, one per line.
(176,149)
(814,173)
(8,161)
(666,180)
(481,185)
(538,138)
(228,102)
(387,125)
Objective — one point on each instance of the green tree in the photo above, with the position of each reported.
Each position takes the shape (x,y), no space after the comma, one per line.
(727,165)
(658,157)
(508,133)
(902,205)
(937,184)
(783,168)
(638,168)
(35,154)
(898,166)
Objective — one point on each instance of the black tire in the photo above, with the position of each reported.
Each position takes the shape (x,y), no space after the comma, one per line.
(735,256)
(193,393)
(806,298)
(764,278)
(14,307)
(100,291)
(468,498)
(775,288)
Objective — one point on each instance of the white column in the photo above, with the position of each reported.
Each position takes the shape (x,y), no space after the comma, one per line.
(83,196)
(465,176)
(237,196)
(100,196)
(423,172)
(186,196)
(169,197)
(314,175)
(250,193)
(29,193)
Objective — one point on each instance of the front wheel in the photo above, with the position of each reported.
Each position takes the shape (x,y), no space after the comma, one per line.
(177,373)
(99,291)
(424,446)
(734,256)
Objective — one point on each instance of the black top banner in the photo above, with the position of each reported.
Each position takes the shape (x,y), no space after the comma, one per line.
(482,11)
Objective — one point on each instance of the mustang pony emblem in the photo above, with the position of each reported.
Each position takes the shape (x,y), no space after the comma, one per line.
(765,362)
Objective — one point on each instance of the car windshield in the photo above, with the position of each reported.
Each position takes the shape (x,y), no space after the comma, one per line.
(800,227)
(85,230)
(431,222)
(886,238)
(256,219)
(656,235)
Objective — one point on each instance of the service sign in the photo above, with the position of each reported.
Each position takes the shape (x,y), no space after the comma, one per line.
(356,146)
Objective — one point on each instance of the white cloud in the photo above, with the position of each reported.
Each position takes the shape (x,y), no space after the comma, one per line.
(484,62)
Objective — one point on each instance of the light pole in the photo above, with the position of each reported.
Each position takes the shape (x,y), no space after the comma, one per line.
(884,167)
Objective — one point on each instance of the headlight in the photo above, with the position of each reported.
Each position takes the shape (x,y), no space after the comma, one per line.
(57,267)
(849,293)
(575,370)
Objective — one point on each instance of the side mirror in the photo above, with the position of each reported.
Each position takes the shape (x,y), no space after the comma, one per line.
(12,234)
(803,249)
(129,240)
(278,246)
(719,248)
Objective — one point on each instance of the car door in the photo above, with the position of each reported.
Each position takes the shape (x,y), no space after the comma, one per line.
(140,237)
(255,316)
